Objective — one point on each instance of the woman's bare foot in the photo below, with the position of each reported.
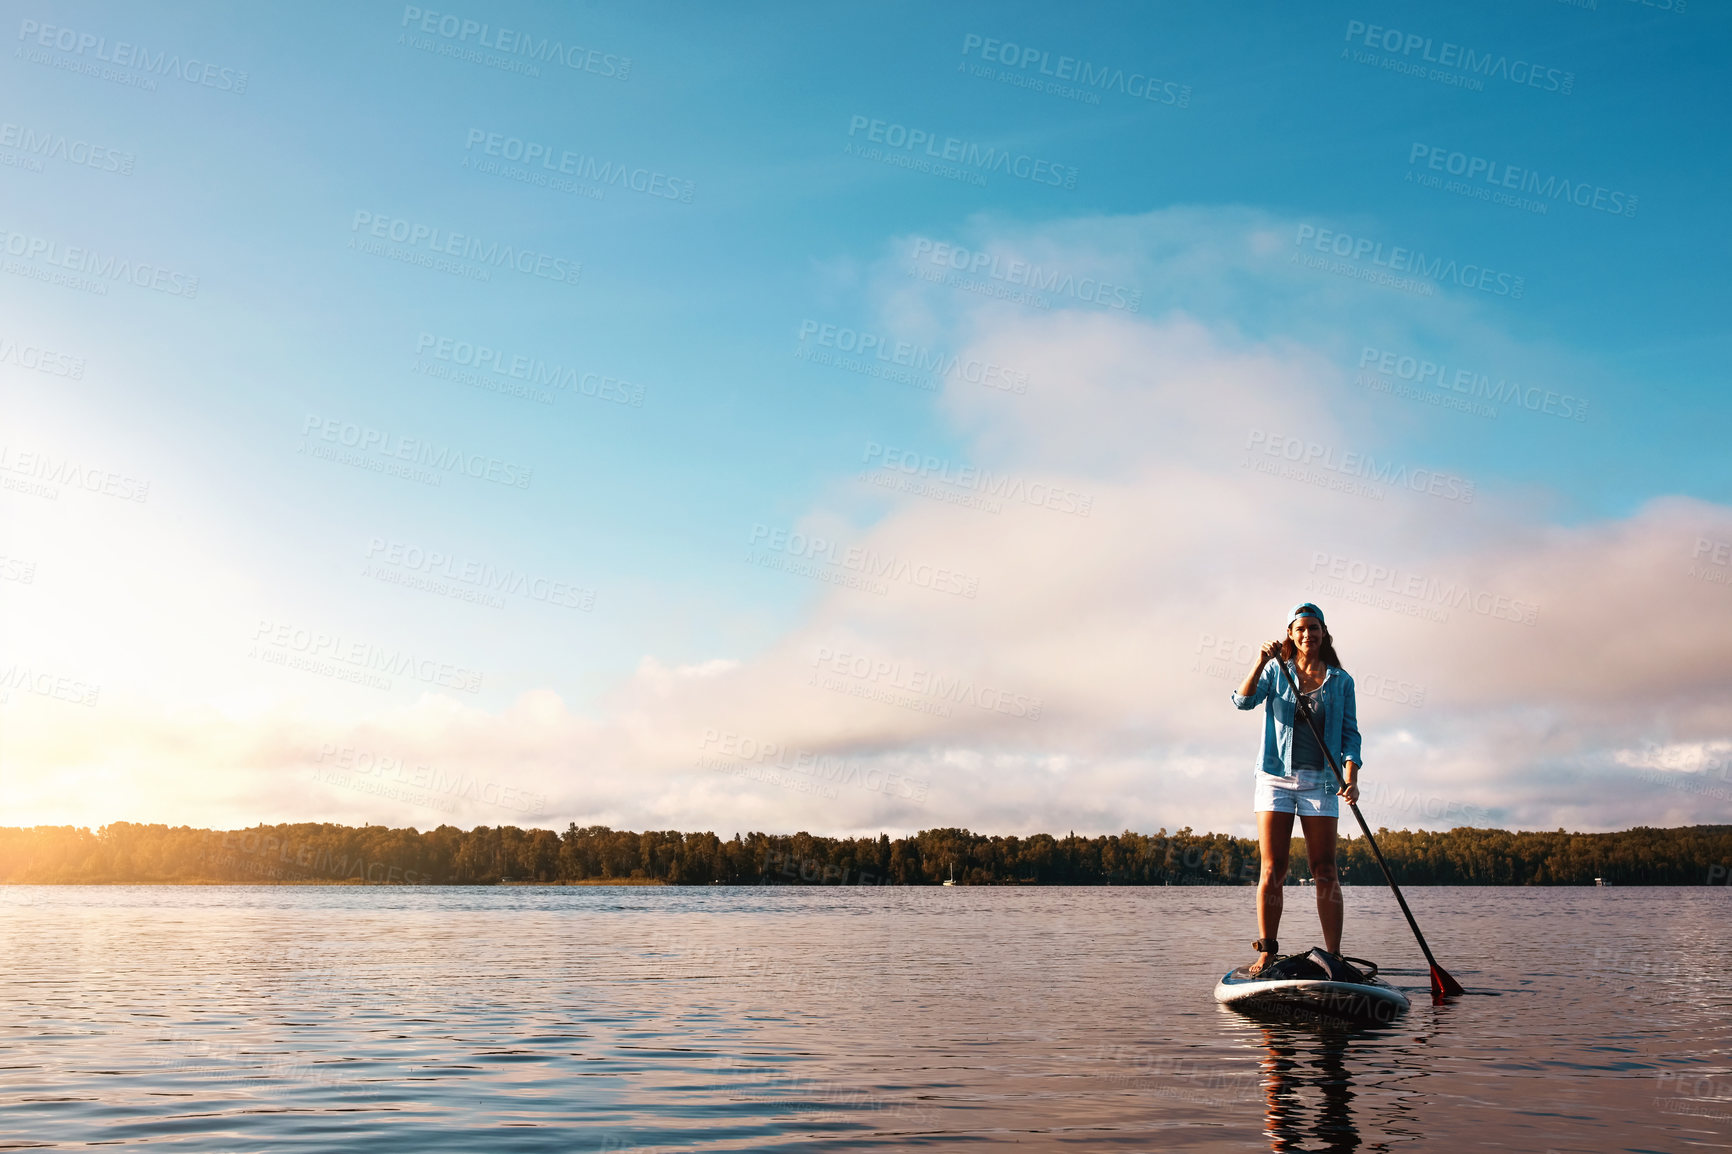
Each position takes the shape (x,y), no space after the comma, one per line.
(1256,967)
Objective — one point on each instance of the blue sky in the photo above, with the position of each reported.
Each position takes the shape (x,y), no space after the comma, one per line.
(1272,133)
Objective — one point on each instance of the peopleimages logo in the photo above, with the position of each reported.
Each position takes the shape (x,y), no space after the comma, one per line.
(927,367)
(443,242)
(822,771)
(79,48)
(273,641)
(543,50)
(1429,591)
(1360,466)
(1499,176)
(40,359)
(1090,77)
(481,575)
(440,785)
(46,144)
(102,268)
(1463,63)
(1711,561)
(1005,486)
(60,688)
(17,569)
(321,861)
(393,447)
(488,363)
(1412,261)
(1024,274)
(1717,552)
(885,674)
(1477,385)
(868,564)
(983,158)
(582,166)
(1217,655)
(52,472)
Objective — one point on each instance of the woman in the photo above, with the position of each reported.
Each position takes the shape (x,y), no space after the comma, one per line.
(1292,775)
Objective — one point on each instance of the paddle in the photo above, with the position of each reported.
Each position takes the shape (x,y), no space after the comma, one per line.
(1442,984)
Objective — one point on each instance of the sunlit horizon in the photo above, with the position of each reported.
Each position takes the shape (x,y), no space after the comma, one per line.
(898,420)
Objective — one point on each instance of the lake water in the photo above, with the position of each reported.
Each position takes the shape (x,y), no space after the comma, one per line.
(654,1019)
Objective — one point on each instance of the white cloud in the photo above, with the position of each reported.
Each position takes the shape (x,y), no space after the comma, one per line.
(913,707)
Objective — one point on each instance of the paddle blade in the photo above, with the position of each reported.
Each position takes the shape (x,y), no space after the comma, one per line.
(1442,985)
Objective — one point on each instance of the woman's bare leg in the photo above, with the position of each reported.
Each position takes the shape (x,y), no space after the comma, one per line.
(1320,849)
(1274,838)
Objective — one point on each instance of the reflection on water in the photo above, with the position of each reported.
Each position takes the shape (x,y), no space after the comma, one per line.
(1308,1088)
(417,1019)
(1311,1065)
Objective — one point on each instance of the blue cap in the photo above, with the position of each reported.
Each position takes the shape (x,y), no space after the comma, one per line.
(1306,609)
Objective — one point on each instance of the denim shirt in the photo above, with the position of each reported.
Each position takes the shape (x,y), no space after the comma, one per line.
(1337,716)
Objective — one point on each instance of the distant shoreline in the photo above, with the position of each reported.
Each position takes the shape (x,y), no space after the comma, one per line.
(351,883)
(311,853)
(618,883)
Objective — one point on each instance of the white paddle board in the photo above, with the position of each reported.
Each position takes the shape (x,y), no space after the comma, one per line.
(1297,986)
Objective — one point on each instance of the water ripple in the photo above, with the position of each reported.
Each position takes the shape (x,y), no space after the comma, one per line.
(477,1019)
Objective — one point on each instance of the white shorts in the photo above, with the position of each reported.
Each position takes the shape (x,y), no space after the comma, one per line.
(1308,793)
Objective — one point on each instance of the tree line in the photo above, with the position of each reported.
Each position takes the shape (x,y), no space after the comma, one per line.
(310,852)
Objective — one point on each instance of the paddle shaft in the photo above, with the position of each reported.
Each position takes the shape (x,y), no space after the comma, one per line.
(1304,711)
